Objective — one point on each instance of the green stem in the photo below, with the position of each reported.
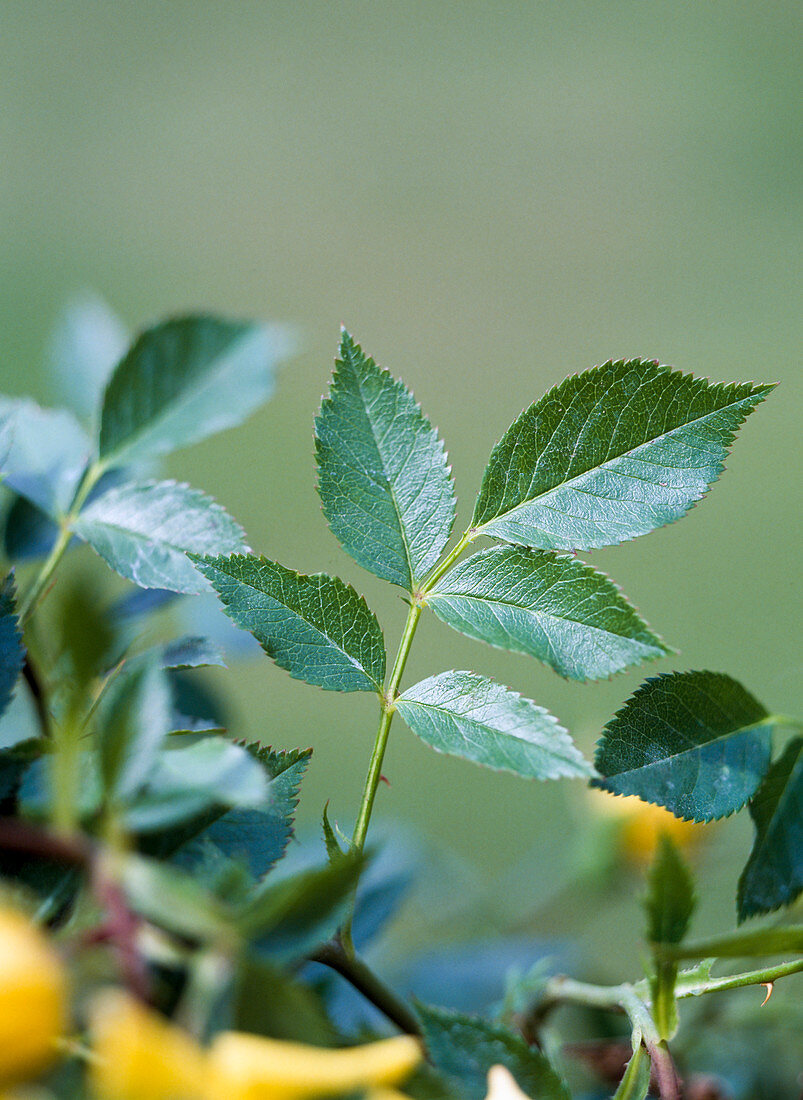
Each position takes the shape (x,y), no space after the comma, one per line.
(738,981)
(435,574)
(386,717)
(37,589)
(365,981)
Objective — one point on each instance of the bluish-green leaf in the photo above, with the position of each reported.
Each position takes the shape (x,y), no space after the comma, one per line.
(463,1049)
(694,742)
(463,714)
(132,723)
(316,627)
(191,652)
(549,606)
(382,473)
(47,455)
(182,381)
(302,910)
(187,779)
(87,343)
(145,531)
(773,875)
(609,454)
(12,652)
(256,837)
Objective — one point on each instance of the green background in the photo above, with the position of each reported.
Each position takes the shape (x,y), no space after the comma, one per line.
(490,196)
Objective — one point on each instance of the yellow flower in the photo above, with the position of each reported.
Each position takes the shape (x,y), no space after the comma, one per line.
(246,1067)
(138,1055)
(640,824)
(33,999)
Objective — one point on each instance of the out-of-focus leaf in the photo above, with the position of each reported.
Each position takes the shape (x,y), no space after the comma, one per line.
(183,380)
(87,342)
(773,875)
(133,721)
(316,627)
(48,454)
(382,473)
(189,779)
(463,1049)
(36,788)
(609,454)
(741,945)
(12,651)
(267,1002)
(694,742)
(28,534)
(289,918)
(142,601)
(255,837)
(669,904)
(191,652)
(195,706)
(467,715)
(552,607)
(145,531)
(172,900)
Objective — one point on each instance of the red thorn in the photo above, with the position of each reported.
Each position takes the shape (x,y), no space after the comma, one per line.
(384,779)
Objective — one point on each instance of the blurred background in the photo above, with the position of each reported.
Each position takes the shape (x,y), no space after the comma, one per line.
(490,196)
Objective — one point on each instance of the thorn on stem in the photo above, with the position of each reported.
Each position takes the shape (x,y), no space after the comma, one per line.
(769,986)
(384,779)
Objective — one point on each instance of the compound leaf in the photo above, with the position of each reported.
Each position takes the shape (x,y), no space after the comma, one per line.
(382,473)
(144,532)
(12,652)
(463,714)
(694,742)
(549,606)
(184,380)
(609,454)
(773,875)
(316,627)
(463,1048)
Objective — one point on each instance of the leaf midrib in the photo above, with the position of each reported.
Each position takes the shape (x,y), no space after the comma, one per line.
(699,747)
(481,725)
(615,458)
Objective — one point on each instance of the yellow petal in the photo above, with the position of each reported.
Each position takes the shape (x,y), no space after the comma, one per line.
(640,824)
(502,1085)
(139,1055)
(33,999)
(247,1067)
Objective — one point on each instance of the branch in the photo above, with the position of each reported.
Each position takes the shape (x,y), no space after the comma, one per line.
(365,981)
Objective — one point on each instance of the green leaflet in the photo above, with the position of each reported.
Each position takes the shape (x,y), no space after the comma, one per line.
(609,454)
(694,742)
(183,380)
(773,875)
(382,474)
(316,627)
(463,1049)
(552,607)
(144,532)
(47,453)
(669,904)
(12,652)
(467,715)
